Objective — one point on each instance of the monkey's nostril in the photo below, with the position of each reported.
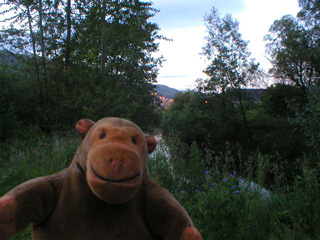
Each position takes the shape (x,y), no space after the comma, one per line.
(111,160)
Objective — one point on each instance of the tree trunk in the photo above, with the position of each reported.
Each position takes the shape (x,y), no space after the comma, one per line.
(68,11)
(243,113)
(35,55)
(224,109)
(103,39)
(42,42)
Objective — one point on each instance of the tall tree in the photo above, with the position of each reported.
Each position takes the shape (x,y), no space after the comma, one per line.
(231,66)
(68,40)
(310,16)
(18,39)
(116,37)
(289,48)
(293,45)
(105,45)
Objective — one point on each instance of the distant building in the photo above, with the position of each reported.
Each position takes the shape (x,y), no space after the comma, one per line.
(164,101)
(165,95)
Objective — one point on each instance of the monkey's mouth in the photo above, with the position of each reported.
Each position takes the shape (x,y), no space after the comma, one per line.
(112,180)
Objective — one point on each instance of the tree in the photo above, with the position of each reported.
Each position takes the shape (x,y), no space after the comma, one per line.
(309,120)
(310,16)
(293,45)
(190,118)
(278,99)
(91,58)
(289,50)
(231,66)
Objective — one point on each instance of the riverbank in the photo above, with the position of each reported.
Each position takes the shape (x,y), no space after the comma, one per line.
(220,205)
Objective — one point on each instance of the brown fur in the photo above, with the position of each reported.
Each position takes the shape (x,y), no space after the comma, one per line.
(106,193)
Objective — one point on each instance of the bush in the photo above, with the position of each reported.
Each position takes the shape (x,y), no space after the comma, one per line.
(308,119)
(223,204)
(234,205)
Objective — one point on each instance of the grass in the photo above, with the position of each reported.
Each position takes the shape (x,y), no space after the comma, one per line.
(221,206)
(22,160)
(224,206)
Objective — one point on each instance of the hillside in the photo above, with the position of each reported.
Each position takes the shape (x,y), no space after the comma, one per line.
(166,91)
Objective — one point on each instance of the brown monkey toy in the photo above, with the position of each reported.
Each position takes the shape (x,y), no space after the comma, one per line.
(105,194)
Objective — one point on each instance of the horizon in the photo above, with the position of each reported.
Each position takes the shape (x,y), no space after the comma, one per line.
(182,21)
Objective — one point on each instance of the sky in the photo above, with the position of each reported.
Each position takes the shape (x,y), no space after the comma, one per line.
(182,21)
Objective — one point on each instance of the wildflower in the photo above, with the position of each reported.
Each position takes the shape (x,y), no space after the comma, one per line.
(231,175)
(234,173)
(225,179)
(182,191)
(197,190)
(213,184)
(236,192)
(234,187)
(207,172)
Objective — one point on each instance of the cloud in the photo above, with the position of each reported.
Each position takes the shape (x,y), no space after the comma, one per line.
(183,63)
(189,13)
(256,20)
(175,76)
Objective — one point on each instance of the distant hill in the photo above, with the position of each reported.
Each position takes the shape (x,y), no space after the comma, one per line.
(253,94)
(166,91)
(8,58)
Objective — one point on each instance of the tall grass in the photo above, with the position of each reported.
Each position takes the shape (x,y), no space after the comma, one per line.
(24,159)
(227,204)
(220,198)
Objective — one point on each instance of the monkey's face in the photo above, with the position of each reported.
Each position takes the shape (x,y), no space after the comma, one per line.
(114,162)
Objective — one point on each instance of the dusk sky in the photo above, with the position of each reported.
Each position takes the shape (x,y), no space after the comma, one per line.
(182,21)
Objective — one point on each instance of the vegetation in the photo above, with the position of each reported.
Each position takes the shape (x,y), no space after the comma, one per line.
(35,156)
(77,59)
(293,47)
(221,203)
(244,168)
(225,206)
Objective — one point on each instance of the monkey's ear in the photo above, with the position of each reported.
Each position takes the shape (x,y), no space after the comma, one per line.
(83,126)
(151,143)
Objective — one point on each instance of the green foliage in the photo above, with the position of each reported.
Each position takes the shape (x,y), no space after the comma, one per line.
(88,60)
(271,126)
(308,119)
(278,99)
(293,47)
(230,66)
(223,204)
(201,118)
(227,205)
(309,15)
(36,156)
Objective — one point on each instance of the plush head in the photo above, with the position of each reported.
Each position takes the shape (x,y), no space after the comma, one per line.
(114,155)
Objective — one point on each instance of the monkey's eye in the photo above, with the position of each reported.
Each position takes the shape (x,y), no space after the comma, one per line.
(134,141)
(102,135)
